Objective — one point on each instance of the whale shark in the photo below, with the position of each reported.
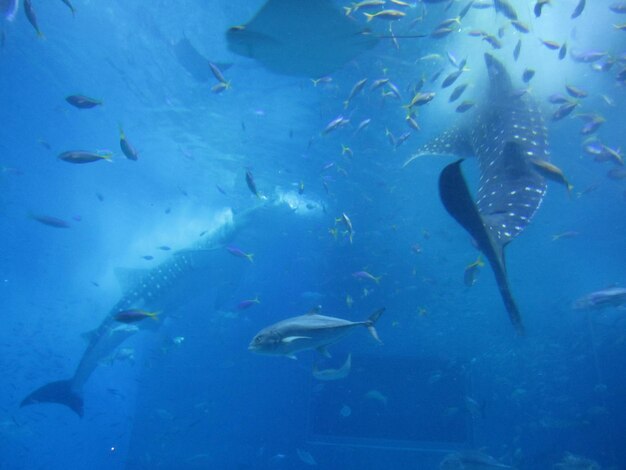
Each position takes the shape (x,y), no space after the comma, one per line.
(506,134)
(205,264)
(158,288)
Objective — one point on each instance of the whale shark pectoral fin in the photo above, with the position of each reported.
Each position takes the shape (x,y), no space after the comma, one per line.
(454,142)
(456,198)
(60,392)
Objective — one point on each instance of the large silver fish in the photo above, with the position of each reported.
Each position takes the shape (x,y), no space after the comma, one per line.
(309,331)
(505,135)
(611,297)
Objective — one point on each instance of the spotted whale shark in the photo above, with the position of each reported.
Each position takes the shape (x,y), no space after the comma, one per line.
(506,135)
(204,265)
(155,289)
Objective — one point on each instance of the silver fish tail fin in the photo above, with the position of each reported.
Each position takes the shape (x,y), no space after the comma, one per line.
(60,392)
(456,198)
(371,321)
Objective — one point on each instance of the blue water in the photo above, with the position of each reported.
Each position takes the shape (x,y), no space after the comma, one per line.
(192,395)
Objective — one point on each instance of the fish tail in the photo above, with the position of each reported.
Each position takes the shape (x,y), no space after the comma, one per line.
(371,321)
(60,392)
(346,104)
(455,196)
(348,10)
(154,315)
(105,154)
(377,279)
(369,16)
(250,257)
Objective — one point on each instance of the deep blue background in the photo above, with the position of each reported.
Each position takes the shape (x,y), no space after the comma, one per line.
(208,402)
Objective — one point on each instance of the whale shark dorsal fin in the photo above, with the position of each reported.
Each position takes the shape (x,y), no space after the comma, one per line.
(315,310)
(129,278)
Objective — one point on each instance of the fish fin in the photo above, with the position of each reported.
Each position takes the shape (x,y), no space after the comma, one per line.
(290,339)
(292,356)
(323,351)
(371,321)
(454,142)
(89,335)
(457,200)
(60,392)
(315,310)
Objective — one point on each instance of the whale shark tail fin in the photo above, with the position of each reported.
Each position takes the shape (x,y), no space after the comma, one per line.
(60,392)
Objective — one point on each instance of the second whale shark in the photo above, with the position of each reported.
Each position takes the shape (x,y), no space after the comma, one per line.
(506,136)
(205,265)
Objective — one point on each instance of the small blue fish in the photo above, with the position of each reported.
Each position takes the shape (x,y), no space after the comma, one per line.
(251,184)
(32,18)
(83,102)
(233,250)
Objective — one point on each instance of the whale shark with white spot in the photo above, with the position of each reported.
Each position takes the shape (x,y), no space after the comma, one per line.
(204,266)
(505,135)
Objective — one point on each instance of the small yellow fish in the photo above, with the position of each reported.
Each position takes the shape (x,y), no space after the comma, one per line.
(220,87)
(551,172)
(364,4)
(385,15)
(568,234)
(321,80)
(469,276)
(345,150)
(420,99)
(344,219)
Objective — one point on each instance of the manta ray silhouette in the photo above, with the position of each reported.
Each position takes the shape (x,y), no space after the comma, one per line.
(300,37)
